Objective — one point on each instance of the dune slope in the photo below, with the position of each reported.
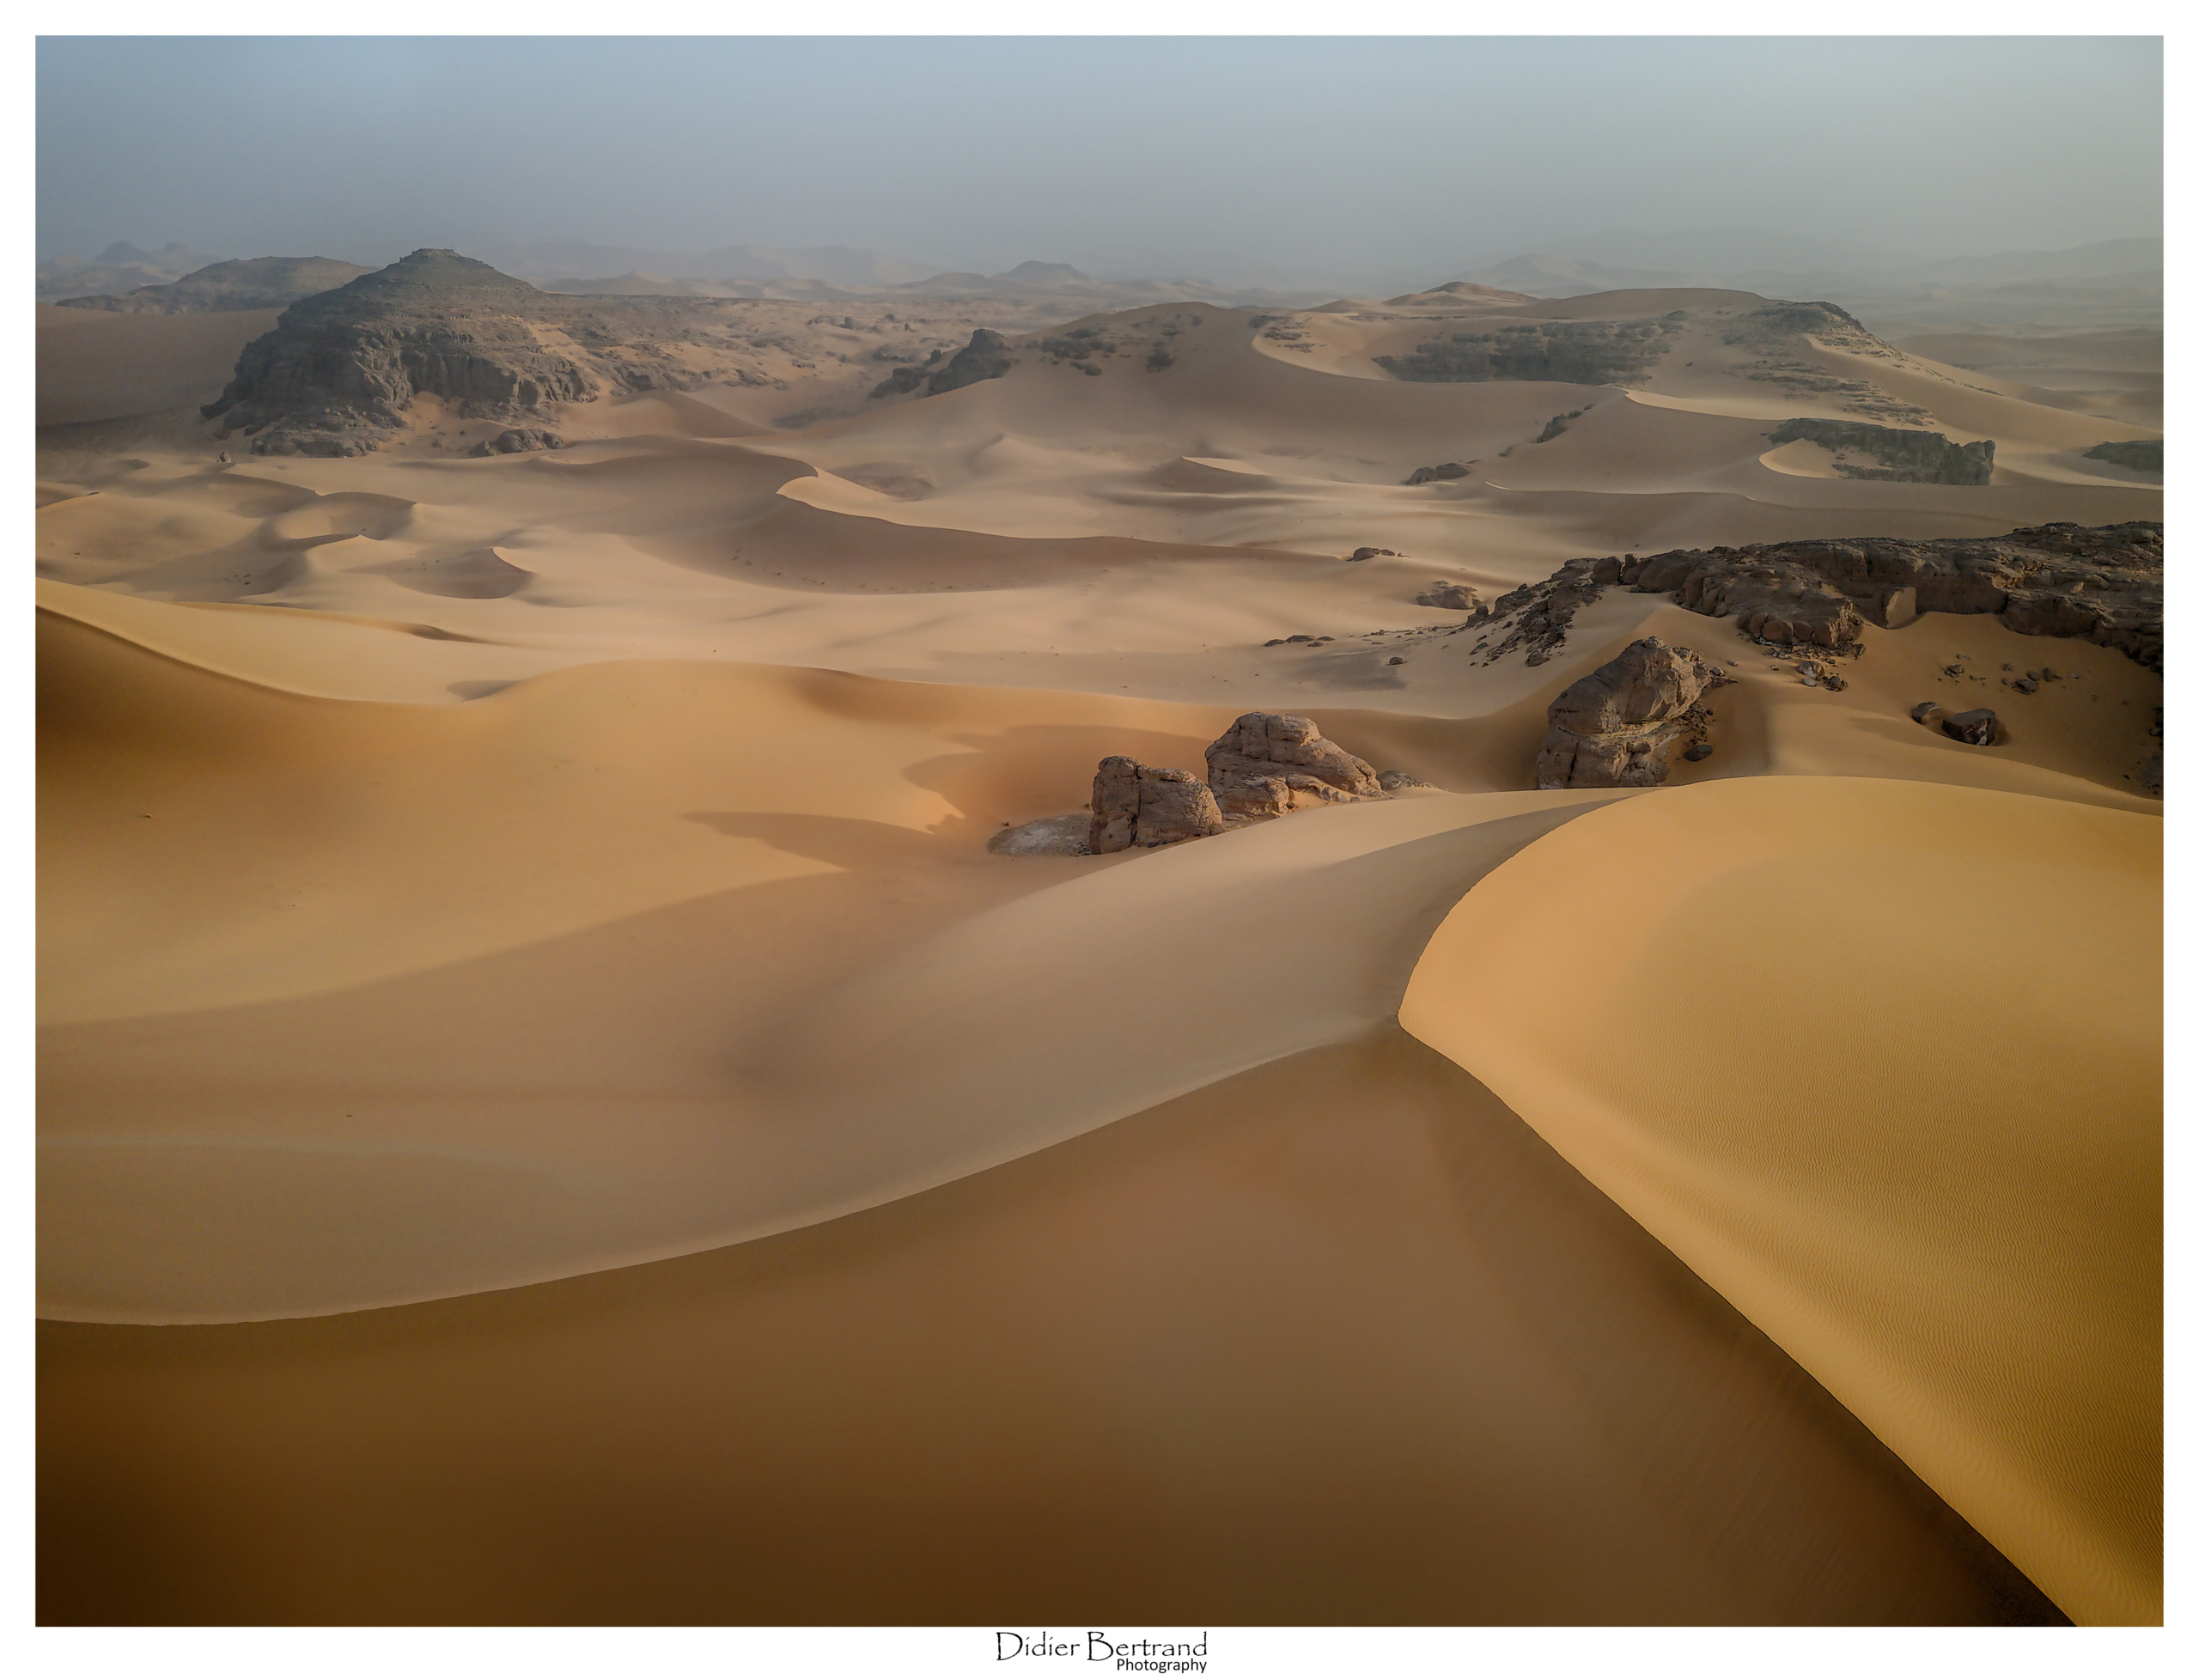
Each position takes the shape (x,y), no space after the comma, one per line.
(1879,1061)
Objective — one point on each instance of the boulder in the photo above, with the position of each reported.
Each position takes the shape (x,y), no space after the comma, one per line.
(1617,727)
(1451,596)
(1926,711)
(1144,805)
(1269,763)
(1980,727)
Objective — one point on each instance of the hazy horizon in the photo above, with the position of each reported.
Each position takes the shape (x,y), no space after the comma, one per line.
(1236,160)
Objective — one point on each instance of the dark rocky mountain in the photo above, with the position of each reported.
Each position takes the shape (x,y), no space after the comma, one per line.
(341,368)
(251,282)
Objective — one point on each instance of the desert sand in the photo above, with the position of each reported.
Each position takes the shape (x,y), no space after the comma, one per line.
(552,1110)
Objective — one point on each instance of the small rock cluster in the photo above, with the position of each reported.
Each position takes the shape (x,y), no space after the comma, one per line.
(518,440)
(1266,765)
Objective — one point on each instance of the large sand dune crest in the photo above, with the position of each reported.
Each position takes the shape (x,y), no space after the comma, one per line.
(1880,1061)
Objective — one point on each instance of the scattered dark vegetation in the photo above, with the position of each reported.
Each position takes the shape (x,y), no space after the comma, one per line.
(1077,344)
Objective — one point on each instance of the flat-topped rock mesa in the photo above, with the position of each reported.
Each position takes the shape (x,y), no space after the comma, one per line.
(1563,352)
(1618,726)
(2100,583)
(1269,763)
(250,282)
(1904,456)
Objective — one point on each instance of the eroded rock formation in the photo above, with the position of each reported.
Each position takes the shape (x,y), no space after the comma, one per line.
(1454,596)
(518,440)
(1906,456)
(985,357)
(1269,763)
(1567,352)
(1266,765)
(340,367)
(1618,726)
(1147,805)
(2101,583)
(2141,455)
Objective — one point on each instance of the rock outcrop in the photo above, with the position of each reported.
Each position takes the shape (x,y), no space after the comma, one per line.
(1617,727)
(254,283)
(1973,728)
(1437,475)
(1451,596)
(2101,583)
(1145,805)
(518,440)
(1567,352)
(2141,455)
(899,383)
(1904,456)
(985,357)
(340,367)
(1268,763)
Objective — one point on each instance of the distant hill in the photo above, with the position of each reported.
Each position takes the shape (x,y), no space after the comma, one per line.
(121,267)
(835,265)
(252,282)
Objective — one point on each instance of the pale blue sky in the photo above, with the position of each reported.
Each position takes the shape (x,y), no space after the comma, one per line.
(1214,157)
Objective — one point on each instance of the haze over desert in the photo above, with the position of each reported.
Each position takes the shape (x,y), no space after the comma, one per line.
(736,931)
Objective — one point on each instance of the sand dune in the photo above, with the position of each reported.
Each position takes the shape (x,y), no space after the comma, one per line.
(524,988)
(1336,1340)
(1880,1060)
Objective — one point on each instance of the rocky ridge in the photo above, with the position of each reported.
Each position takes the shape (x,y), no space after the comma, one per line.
(2099,583)
(251,282)
(1904,456)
